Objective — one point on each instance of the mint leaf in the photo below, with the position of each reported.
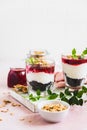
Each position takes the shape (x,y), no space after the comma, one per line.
(67,92)
(49,91)
(74,56)
(35,97)
(31,60)
(38,92)
(73,51)
(84,52)
(81,102)
(61,95)
(75,93)
(53,96)
(65,99)
(38,97)
(84,89)
(79,94)
(31,97)
(73,100)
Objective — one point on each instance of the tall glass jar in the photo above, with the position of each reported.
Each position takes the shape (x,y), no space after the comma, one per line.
(39,71)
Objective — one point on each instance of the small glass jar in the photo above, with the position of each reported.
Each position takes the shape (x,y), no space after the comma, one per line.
(16,76)
(39,71)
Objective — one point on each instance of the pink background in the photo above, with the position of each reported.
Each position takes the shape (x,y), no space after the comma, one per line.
(76,119)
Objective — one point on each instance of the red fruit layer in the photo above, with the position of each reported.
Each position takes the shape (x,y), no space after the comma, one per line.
(38,69)
(74,61)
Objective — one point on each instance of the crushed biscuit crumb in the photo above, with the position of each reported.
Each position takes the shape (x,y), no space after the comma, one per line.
(15,104)
(20,88)
(6,101)
(30,121)
(22,119)
(5,110)
(0,119)
(2,105)
(11,114)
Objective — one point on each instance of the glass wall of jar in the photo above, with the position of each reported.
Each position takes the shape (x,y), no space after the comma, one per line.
(39,71)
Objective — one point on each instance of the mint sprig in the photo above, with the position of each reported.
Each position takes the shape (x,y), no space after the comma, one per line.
(75,97)
(75,56)
(31,60)
(35,97)
(51,95)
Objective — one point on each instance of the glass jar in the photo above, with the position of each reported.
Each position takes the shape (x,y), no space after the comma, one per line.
(16,76)
(39,71)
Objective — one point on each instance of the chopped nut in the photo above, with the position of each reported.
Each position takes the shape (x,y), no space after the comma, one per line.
(30,121)
(54,107)
(0,119)
(20,88)
(5,110)
(22,119)
(38,52)
(6,101)
(2,105)
(11,114)
(15,104)
(18,105)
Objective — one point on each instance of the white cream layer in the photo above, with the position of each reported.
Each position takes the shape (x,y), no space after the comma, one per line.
(40,77)
(77,71)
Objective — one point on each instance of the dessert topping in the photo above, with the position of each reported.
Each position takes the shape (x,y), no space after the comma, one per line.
(54,107)
(75,56)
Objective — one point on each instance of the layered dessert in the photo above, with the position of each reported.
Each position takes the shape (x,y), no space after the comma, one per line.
(39,71)
(75,69)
